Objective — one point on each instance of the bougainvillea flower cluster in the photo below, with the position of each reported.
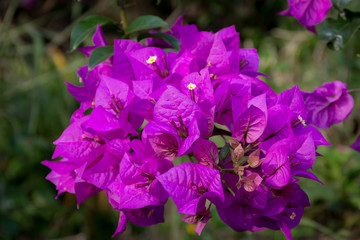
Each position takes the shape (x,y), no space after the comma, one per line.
(309,13)
(147,106)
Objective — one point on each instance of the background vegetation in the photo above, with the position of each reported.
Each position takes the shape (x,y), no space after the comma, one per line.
(35,108)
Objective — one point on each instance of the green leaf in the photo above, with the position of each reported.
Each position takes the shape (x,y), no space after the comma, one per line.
(99,55)
(341,3)
(167,50)
(337,31)
(84,28)
(163,36)
(328,28)
(350,15)
(224,152)
(145,23)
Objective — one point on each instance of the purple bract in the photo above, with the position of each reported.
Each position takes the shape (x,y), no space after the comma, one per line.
(308,12)
(144,108)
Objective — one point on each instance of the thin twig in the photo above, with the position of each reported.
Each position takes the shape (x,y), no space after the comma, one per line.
(123,18)
(227,162)
(228,188)
(353,90)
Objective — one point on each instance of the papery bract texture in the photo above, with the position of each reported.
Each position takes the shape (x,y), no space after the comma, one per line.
(190,181)
(197,126)
(308,12)
(330,103)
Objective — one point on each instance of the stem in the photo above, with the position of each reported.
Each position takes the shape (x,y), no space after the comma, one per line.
(224,164)
(227,169)
(228,188)
(353,90)
(122,15)
(175,233)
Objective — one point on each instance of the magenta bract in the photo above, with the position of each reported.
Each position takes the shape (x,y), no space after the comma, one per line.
(330,103)
(308,12)
(144,108)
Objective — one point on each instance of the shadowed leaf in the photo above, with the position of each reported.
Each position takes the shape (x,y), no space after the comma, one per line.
(84,28)
(99,55)
(145,23)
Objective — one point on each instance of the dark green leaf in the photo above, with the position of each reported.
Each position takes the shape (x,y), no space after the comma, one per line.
(167,50)
(163,36)
(329,28)
(99,55)
(337,31)
(224,152)
(84,28)
(146,23)
(350,15)
(341,3)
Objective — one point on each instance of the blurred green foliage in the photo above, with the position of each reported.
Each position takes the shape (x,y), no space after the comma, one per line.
(35,108)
